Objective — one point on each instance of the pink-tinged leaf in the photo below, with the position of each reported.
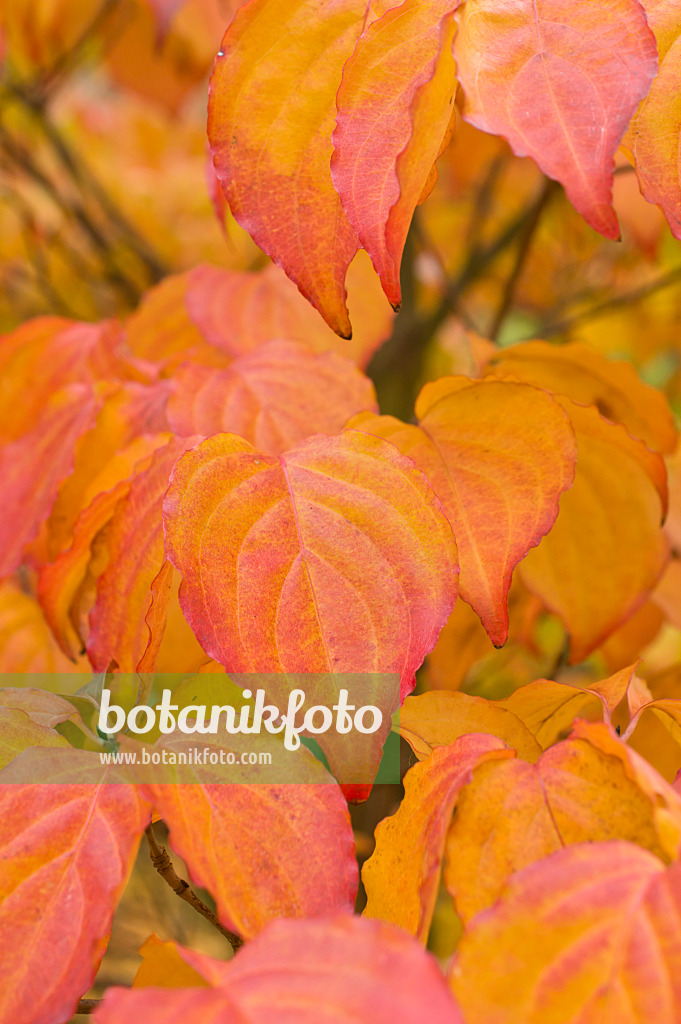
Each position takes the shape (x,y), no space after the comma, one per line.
(560,79)
(68,352)
(284,61)
(591,933)
(121,435)
(350,969)
(66,850)
(33,467)
(161,329)
(394,107)
(237,311)
(402,876)
(335,557)
(41,706)
(338,970)
(263,851)
(133,542)
(472,443)
(168,1006)
(274,397)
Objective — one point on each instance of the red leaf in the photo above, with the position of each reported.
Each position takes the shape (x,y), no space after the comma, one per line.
(394,107)
(334,971)
(66,851)
(274,397)
(560,80)
(334,557)
(285,61)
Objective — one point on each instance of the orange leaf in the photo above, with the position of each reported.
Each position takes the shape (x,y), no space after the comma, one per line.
(263,851)
(589,378)
(26,644)
(394,107)
(161,329)
(561,82)
(472,443)
(67,850)
(591,933)
(587,788)
(657,128)
(401,878)
(162,966)
(134,545)
(607,550)
(439,717)
(274,397)
(548,709)
(338,551)
(285,62)
(107,453)
(237,312)
(33,467)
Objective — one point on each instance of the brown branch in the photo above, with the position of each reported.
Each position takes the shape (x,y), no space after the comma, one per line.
(527,234)
(599,309)
(160,858)
(87,1006)
(412,333)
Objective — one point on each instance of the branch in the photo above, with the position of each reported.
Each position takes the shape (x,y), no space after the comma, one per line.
(163,864)
(526,238)
(599,309)
(87,1006)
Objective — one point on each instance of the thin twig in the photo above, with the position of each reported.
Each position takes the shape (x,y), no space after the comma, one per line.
(163,864)
(599,309)
(87,1006)
(525,244)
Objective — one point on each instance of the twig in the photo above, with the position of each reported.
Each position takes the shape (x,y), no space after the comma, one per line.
(163,864)
(525,244)
(412,333)
(87,1006)
(616,302)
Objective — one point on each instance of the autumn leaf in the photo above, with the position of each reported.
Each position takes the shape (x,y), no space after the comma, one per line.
(339,552)
(162,966)
(438,718)
(18,732)
(133,544)
(604,917)
(588,378)
(274,397)
(236,312)
(472,442)
(548,708)
(657,126)
(262,850)
(561,82)
(67,851)
(161,330)
(394,106)
(329,971)
(26,643)
(607,550)
(286,61)
(400,886)
(590,787)
(34,466)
